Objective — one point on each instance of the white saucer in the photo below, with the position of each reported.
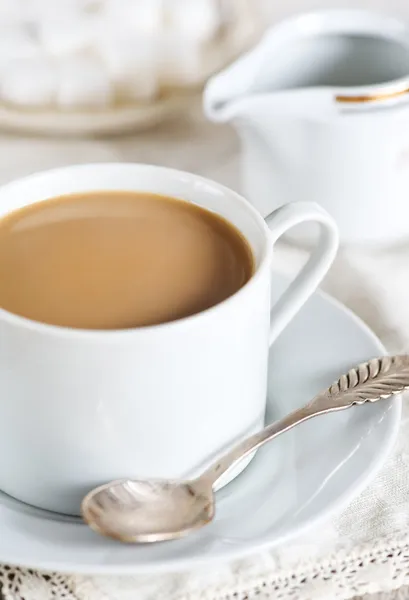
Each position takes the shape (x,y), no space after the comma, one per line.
(303,477)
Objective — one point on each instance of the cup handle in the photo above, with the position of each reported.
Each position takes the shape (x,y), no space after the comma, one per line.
(311,275)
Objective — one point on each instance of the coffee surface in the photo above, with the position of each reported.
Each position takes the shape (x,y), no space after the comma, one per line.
(115,260)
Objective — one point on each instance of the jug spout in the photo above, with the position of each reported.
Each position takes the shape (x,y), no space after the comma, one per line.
(250,84)
(254,85)
(228,94)
(223,103)
(239,89)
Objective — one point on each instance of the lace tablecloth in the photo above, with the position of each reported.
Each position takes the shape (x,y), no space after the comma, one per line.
(366,549)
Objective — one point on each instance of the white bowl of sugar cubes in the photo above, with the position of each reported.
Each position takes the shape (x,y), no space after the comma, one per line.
(104,66)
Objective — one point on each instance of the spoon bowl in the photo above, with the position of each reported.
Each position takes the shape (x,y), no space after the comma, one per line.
(148,511)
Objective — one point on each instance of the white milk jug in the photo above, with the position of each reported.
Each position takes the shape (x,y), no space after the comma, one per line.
(322,109)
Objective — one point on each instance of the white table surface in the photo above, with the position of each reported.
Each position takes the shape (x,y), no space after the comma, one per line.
(189,143)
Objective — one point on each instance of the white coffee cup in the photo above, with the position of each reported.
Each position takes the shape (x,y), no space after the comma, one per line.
(79,408)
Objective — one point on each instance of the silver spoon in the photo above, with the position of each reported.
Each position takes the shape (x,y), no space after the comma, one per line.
(157,510)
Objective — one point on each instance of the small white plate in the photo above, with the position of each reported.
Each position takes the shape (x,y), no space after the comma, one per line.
(293,483)
(138,116)
(108,121)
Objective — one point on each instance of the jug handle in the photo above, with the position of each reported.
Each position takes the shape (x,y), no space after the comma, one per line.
(311,275)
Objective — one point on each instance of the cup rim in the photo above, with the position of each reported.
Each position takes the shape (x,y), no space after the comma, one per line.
(114,334)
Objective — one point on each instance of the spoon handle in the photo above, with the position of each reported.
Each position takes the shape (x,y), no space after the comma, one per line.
(374,380)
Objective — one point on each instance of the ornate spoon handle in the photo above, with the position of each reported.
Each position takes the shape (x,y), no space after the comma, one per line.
(374,380)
